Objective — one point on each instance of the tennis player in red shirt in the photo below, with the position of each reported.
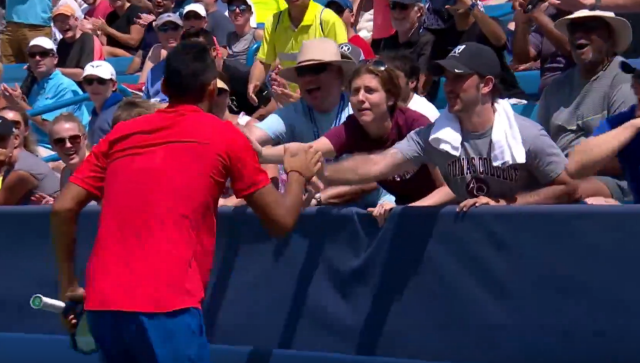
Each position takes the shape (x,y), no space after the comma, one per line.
(159,177)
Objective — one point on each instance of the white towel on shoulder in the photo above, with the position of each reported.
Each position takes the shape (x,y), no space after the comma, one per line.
(506,145)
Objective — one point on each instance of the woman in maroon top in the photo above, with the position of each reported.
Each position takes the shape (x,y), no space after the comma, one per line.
(377,123)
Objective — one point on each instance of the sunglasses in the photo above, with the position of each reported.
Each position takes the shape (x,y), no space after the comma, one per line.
(62,141)
(242,8)
(584,27)
(192,15)
(91,81)
(311,70)
(43,54)
(394,5)
(165,28)
(375,64)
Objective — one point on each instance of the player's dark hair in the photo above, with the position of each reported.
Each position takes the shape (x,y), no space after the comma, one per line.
(403,62)
(199,34)
(189,71)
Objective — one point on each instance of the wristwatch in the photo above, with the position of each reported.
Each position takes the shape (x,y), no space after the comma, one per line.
(318,199)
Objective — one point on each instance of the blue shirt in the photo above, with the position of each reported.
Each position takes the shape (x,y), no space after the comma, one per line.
(34,12)
(297,122)
(53,89)
(100,123)
(153,85)
(629,156)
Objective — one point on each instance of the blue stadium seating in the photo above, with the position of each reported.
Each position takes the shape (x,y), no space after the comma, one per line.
(120,64)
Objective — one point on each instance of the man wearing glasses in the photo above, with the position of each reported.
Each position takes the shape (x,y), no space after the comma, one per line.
(51,87)
(616,140)
(99,79)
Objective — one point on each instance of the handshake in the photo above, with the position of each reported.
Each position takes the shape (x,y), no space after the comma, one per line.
(302,159)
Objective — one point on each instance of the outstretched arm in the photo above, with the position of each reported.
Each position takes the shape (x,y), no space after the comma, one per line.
(366,168)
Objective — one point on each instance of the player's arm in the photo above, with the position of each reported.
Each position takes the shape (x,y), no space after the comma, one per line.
(275,155)
(64,221)
(363,168)
(278,212)
(85,184)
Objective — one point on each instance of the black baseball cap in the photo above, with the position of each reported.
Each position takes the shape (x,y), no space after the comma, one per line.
(469,58)
(6,127)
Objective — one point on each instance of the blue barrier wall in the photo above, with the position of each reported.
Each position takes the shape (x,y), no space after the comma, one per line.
(499,284)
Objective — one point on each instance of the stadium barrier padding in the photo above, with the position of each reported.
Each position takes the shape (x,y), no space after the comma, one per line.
(497,284)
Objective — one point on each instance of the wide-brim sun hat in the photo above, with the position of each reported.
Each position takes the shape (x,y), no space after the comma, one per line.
(319,51)
(621,27)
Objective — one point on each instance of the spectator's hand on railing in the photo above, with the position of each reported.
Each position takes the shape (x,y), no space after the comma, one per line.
(476,202)
(316,185)
(41,199)
(145,19)
(601,201)
(381,212)
(302,159)
(13,96)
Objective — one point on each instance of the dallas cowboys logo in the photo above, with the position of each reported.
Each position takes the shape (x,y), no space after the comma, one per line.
(345,48)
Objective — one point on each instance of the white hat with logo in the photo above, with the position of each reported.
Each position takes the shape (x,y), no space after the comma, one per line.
(99,69)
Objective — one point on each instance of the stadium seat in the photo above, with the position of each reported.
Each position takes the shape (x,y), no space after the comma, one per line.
(502,12)
(253,51)
(14,73)
(120,64)
(529,81)
(128,78)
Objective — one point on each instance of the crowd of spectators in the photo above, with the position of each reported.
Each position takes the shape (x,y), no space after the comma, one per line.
(319,78)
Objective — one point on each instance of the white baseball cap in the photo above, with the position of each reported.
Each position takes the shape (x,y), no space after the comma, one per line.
(100,69)
(197,7)
(43,42)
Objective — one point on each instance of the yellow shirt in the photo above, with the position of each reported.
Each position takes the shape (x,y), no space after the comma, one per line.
(281,41)
(264,9)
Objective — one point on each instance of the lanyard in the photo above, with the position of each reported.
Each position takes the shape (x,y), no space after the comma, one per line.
(336,122)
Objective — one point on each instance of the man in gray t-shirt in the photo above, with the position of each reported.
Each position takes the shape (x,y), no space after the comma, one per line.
(471,71)
(472,174)
(575,102)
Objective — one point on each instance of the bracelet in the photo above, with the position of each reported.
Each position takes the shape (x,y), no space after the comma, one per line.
(295,171)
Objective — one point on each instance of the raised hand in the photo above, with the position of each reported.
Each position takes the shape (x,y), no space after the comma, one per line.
(302,159)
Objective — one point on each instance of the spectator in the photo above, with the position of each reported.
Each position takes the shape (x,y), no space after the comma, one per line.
(150,40)
(218,24)
(168,28)
(467,22)
(468,154)
(344,9)
(75,49)
(98,9)
(405,19)
(244,36)
(77,14)
(131,108)
(122,35)
(536,40)
(153,90)
(615,143)
(320,73)
(574,103)
(69,140)
(23,127)
(50,87)
(99,79)
(377,123)
(194,16)
(408,74)
(285,33)
(24,173)
(26,20)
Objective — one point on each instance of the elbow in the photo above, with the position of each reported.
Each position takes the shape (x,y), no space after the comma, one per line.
(281,228)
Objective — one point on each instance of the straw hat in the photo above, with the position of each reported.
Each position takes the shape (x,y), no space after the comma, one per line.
(621,27)
(319,50)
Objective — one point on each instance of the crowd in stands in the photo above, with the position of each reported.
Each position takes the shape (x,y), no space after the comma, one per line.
(367,104)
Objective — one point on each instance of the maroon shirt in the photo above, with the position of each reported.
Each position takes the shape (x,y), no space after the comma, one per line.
(351,138)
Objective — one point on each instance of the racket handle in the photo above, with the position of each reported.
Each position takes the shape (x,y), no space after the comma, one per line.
(40,302)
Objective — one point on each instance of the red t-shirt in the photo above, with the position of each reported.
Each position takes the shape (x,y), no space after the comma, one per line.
(159,177)
(359,42)
(99,11)
(351,138)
